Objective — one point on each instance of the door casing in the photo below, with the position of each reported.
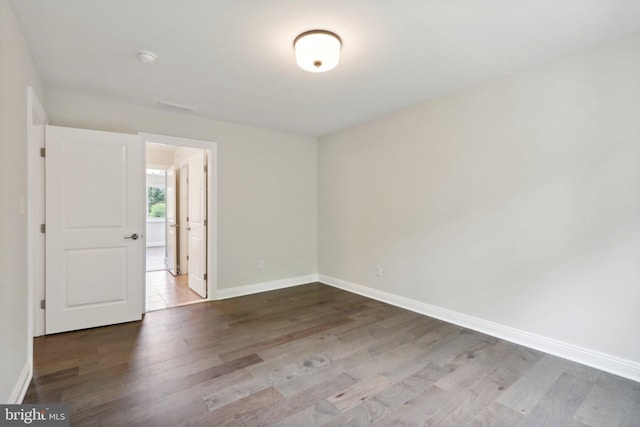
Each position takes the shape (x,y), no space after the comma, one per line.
(36,121)
(211,151)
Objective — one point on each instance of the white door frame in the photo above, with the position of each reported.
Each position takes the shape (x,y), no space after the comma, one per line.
(211,150)
(36,120)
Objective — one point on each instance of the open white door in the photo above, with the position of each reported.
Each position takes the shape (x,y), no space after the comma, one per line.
(197,224)
(183,213)
(172,225)
(94,217)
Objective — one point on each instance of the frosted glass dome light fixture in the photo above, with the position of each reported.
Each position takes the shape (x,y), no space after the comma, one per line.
(317,51)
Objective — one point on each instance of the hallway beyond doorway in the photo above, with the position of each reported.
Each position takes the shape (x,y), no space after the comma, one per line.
(165,291)
(155,258)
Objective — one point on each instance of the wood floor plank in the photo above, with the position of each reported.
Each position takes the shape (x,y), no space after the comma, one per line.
(135,381)
(172,409)
(632,410)
(527,391)
(289,406)
(604,406)
(418,410)
(274,342)
(452,347)
(275,377)
(559,404)
(233,413)
(382,363)
(291,353)
(315,355)
(459,410)
(318,414)
(83,384)
(365,413)
(497,415)
(358,392)
(96,405)
(401,392)
(336,367)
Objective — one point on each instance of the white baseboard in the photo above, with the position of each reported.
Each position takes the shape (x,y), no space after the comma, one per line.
(22,385)
(605,362)
(264,286)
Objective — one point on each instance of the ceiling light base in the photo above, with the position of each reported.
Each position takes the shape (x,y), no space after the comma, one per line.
(317,51)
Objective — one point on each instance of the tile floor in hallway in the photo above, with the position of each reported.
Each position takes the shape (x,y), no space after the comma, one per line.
(165,290)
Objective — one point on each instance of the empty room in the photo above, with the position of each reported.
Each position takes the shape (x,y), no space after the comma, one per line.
(320,213)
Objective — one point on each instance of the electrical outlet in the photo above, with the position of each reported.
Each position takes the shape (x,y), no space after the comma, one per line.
(261,264)
(379,270)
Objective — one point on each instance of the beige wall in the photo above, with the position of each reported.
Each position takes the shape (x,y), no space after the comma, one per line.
(17,72)
(517,202)
(267,182)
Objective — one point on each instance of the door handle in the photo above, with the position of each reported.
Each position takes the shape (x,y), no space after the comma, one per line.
(188,228)
(134,236)
(174,225)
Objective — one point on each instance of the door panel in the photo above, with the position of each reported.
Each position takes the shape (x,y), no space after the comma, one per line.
(95,266)
(94,200)
(172,225)
(197,229)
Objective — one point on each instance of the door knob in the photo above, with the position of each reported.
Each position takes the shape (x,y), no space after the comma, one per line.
(134,236)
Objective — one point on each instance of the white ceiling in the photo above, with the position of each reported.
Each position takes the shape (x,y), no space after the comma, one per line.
(233,59)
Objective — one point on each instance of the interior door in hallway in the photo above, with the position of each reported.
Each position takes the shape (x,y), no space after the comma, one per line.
(95,210)
(197,224)
(172,224)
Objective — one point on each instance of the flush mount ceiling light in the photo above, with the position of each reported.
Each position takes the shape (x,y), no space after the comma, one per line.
(146,57)
(317,51)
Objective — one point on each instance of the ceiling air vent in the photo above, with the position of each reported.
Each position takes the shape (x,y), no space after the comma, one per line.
(176,108)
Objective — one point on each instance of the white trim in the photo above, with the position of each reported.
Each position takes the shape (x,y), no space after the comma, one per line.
(255,288)
(22,385)
(211,148)
(36,116)
(605,362)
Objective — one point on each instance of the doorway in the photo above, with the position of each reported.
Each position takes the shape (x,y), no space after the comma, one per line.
(176,207)
(134,289)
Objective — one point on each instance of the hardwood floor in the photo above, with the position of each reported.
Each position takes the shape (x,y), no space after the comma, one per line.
(314,355)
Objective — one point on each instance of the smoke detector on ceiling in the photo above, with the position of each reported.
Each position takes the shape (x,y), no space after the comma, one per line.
(146,57)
